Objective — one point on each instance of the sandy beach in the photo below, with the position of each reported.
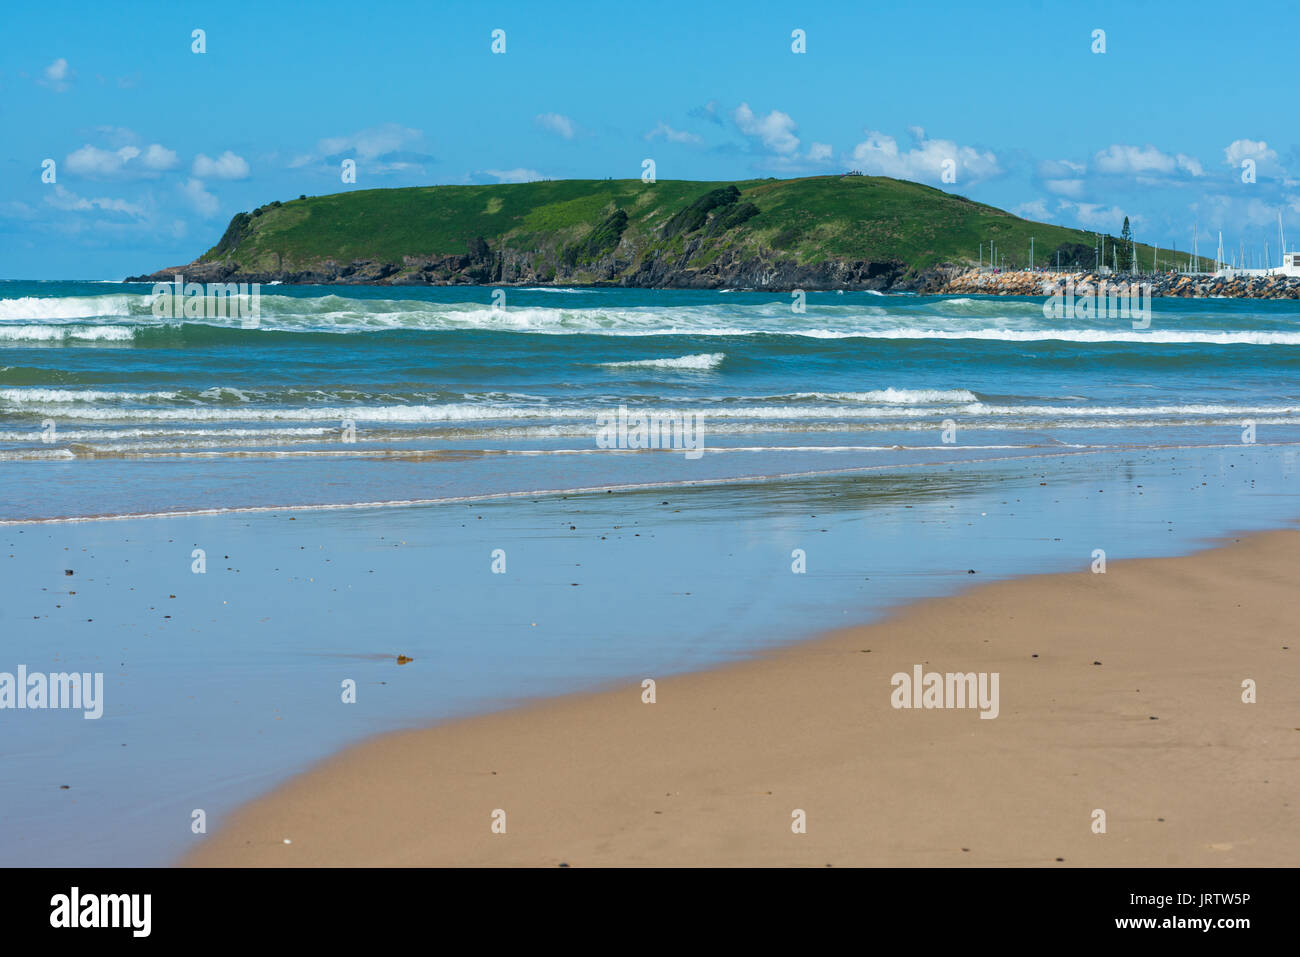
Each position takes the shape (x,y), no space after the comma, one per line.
(1120,692)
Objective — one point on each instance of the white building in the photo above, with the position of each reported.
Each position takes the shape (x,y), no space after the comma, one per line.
(1290,268)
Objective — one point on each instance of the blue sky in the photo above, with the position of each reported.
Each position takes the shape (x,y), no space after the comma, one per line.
(156,147)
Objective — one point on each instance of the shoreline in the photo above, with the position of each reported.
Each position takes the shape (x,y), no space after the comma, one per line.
(1119,692)
(551,493)
(1044,452)
(248,656)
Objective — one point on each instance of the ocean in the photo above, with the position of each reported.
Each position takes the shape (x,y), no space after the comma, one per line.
(374,472)
(346,395)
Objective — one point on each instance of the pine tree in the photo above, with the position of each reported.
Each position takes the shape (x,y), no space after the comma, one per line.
(1125,246)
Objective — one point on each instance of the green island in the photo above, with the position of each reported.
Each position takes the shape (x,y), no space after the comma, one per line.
(845,231)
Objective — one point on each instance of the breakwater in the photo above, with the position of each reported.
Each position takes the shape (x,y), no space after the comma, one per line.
(1181,285)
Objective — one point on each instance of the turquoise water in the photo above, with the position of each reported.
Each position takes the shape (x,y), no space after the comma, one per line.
(107,410)
(823,434)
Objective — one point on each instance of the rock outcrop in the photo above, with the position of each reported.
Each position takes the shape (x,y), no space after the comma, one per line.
(729,270)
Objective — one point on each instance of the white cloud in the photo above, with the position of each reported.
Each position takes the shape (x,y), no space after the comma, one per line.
(204,203)
(128,160)
(1065,187)
(225,166)
(65,199)
(57,76)
(879,154)
(1266,160)
(1059,169)
(556,123)
(1062,177)
(1119,160)
(370,143)
(517,175)
(380,149)
(672,135)
(775,131)
(1097,216)
(92,161)
(776,144)
(1035,209)
(158,157)
(1142,161)
(1238,150)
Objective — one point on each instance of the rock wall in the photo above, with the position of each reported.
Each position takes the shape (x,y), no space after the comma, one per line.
(1044,283)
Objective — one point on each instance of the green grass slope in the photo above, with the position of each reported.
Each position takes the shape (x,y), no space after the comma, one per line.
(598,230)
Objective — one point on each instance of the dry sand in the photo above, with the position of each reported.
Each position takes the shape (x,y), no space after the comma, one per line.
(1156,735)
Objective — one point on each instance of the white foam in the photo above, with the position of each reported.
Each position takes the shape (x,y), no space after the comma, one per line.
(454,412)
(30,395)
(891,395)
(704,361)
(1046,335)
(67,307)
(35,455)
(1013,321)
(311,433)
(57,333)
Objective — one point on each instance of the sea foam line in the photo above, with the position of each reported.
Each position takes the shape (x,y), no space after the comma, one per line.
(704,361)
(469,413)
(582,490)
(500,496)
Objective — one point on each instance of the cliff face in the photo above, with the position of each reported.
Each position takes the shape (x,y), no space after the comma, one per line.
(511,267)
(730,270)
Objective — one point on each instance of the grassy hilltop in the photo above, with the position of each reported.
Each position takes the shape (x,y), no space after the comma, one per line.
(815,231)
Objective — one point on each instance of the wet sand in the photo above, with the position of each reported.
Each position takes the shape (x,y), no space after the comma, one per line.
(1119,692)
